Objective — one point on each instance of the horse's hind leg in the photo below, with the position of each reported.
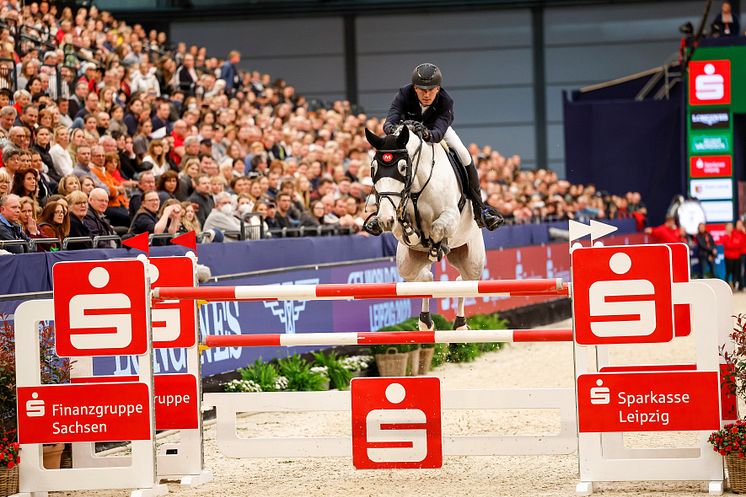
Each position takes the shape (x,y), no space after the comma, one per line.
(415,266)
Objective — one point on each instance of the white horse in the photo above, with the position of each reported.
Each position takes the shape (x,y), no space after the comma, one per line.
(418,201)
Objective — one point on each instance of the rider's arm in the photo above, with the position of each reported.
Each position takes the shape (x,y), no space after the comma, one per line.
(440,126)
(396,114)
(443,120)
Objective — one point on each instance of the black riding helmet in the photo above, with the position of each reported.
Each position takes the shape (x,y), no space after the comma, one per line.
(426,76)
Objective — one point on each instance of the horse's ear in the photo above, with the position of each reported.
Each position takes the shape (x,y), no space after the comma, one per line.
(403,137)
(375,140)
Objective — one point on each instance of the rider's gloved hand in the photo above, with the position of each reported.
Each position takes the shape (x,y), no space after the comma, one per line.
(388,128)
(426,134)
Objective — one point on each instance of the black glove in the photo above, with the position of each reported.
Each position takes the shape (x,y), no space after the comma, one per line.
(388,128)
(426,134)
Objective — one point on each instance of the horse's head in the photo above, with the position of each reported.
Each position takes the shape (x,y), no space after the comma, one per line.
(391,170)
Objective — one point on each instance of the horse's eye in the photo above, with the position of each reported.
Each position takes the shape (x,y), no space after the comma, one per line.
(402,164)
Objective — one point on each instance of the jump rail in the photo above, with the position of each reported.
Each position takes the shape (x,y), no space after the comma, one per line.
(385,338)
(412,290)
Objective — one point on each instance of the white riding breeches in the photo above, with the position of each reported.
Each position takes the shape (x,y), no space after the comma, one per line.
(455,144)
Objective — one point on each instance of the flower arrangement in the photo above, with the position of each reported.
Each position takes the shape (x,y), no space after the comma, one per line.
(730,439)
(9,450)
(356,362)
(242,386)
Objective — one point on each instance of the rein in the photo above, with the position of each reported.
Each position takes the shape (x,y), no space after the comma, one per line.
(407,194)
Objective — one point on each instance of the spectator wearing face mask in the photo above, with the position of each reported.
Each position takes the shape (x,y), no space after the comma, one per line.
(221,217)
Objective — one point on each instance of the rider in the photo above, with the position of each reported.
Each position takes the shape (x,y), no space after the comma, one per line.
(425,101)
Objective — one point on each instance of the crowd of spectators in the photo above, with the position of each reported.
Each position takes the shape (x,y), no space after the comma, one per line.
(107,129)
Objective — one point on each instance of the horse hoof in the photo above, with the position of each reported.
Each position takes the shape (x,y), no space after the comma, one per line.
(460,323)
(426,322)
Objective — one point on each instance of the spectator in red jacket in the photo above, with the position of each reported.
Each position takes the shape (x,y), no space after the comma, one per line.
(667,232)
(742,260)
(733,242)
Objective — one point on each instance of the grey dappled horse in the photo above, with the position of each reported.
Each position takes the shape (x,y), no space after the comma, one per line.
(418,201)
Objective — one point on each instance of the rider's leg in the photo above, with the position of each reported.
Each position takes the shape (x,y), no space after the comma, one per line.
(484,215)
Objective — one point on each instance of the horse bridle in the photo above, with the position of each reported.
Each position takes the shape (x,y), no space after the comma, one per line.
(388,167)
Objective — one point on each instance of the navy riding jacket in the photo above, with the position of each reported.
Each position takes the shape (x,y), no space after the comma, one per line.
(406,107)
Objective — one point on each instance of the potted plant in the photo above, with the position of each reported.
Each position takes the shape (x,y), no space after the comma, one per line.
(339,376)
(53,370)
(730,441)
(9,459)
(300,376)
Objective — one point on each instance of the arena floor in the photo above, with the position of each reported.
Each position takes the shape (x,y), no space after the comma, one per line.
(519,365)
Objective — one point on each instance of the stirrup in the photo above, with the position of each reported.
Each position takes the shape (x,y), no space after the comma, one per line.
(489,218)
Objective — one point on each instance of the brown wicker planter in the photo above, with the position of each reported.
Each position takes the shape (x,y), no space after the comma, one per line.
(413,366)
(8,481)
(392,363)
(426,360)
(736,473)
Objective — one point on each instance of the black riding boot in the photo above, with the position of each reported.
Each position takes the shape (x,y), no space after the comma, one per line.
(484,215)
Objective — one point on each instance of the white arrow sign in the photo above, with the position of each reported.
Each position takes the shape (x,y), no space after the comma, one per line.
(596,230)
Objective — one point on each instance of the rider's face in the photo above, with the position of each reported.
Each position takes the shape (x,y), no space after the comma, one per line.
(426,97)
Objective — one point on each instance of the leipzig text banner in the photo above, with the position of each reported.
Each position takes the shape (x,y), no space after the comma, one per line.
(659,401)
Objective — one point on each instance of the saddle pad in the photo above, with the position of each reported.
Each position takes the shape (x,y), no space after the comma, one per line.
(461,177)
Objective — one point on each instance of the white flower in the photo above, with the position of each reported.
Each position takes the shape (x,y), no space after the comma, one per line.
(242,386)
(281,383)
(356,362)
(322,370)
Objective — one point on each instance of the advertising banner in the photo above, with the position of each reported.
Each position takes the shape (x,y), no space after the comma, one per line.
(710,166)
(711,189)
(93,412)
(652,401)
(710,143)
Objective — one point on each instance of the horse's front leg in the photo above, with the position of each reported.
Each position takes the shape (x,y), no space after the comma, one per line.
(445,226)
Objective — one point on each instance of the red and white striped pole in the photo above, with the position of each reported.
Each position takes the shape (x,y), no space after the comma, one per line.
(411,290)
(388,337)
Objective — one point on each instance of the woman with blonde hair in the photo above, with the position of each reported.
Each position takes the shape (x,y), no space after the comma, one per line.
(68,184)
(6,182)
(78,208)
(28,217)
(189,221)
(77,138)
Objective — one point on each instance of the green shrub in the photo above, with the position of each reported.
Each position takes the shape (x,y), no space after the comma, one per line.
(299,375)
(263,374)
(339,376)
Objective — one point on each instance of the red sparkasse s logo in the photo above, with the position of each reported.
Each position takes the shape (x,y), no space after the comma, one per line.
(710,166)
(622,294)
(100,308)
(709,82)
(91,412)
(652,401)
(173,320)
(396,423)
